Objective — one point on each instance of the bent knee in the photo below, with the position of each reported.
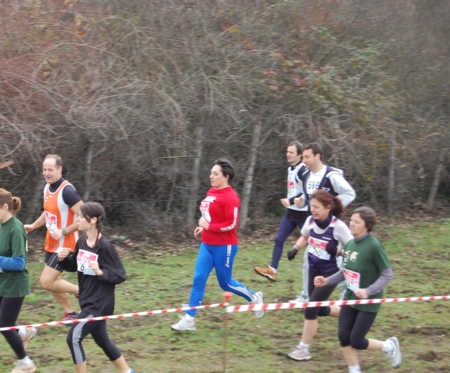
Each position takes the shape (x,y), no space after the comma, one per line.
(45,282)
(360,344)
(48,277)
(311,313)
(279,240)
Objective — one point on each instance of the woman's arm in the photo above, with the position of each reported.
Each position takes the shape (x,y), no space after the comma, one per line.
(110,267)
(68,260)
(14,263)
(300,244)
(386,276)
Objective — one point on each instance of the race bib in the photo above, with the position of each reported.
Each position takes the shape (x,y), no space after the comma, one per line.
(317,248)
(351,279)
(51,221)
(204,208)
(84,258)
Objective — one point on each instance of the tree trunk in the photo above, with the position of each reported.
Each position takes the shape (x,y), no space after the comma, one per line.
(391,182)
(87,174)
(249,178)
(192,205)
(437,178)
(34,208)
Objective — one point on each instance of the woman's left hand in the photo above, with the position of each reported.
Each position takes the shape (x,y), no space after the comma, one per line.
(94,266)
(198,231)
(202,222)
(361,293)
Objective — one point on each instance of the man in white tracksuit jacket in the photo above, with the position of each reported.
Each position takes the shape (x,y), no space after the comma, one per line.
(320,176)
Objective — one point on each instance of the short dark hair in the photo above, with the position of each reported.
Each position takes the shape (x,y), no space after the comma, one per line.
(368,215)
(315,147)
(298,145)
(56,157)
(227,168)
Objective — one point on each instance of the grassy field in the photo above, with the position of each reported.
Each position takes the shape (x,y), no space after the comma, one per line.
(160,277)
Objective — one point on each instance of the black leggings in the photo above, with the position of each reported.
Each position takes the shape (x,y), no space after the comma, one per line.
(353,327)
(9,312)
(318,294)
(98,331)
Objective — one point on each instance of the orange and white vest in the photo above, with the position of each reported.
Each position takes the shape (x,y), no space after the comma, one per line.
(57,216)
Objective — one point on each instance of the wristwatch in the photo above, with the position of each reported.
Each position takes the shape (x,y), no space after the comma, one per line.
(64,231)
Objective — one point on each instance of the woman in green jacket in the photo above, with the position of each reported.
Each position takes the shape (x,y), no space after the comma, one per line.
(14,279)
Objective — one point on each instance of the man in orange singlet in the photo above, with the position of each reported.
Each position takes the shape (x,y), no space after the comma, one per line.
(61,207)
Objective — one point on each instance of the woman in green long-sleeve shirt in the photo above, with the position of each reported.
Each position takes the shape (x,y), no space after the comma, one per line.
(14,279)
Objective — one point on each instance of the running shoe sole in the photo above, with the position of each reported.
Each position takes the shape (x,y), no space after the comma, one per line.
(269,277)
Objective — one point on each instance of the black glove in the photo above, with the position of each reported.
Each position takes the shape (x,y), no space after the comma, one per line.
(291,254)
(331,249)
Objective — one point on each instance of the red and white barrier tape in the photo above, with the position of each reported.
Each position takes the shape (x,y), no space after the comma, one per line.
(238,308)
(113,317)
(284,306)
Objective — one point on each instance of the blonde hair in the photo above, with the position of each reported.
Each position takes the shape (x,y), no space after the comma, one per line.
(13,203)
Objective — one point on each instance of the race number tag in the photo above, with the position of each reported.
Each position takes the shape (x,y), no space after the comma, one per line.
(204,208)
(51,221)
(317,248)
(84,258)
(351,279)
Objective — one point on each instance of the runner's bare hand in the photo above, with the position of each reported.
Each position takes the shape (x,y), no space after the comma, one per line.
(361,293)
(63,252)
(320,281)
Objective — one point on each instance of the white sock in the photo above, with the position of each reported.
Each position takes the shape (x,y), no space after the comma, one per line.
(189,317)
(26,360)
(22,331)
(273,269)
(354,369)
(304,345)
(387,346)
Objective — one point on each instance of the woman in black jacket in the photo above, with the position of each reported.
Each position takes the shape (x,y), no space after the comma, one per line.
(99,270)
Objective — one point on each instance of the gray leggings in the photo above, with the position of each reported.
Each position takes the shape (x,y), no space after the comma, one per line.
(98,331)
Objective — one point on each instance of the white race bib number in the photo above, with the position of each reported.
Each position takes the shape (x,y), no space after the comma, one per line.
(317,248)
(84,258)
(51,221)
(352,279)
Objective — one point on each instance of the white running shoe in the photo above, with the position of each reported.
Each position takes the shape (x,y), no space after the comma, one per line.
(395,355)
(184,324)
(31,333)
(299,299)
(259,300)
(300,354)
(24,368)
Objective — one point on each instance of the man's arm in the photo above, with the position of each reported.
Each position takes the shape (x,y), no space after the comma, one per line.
(76,209)
(58,233)
(344,190)
(39,222)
